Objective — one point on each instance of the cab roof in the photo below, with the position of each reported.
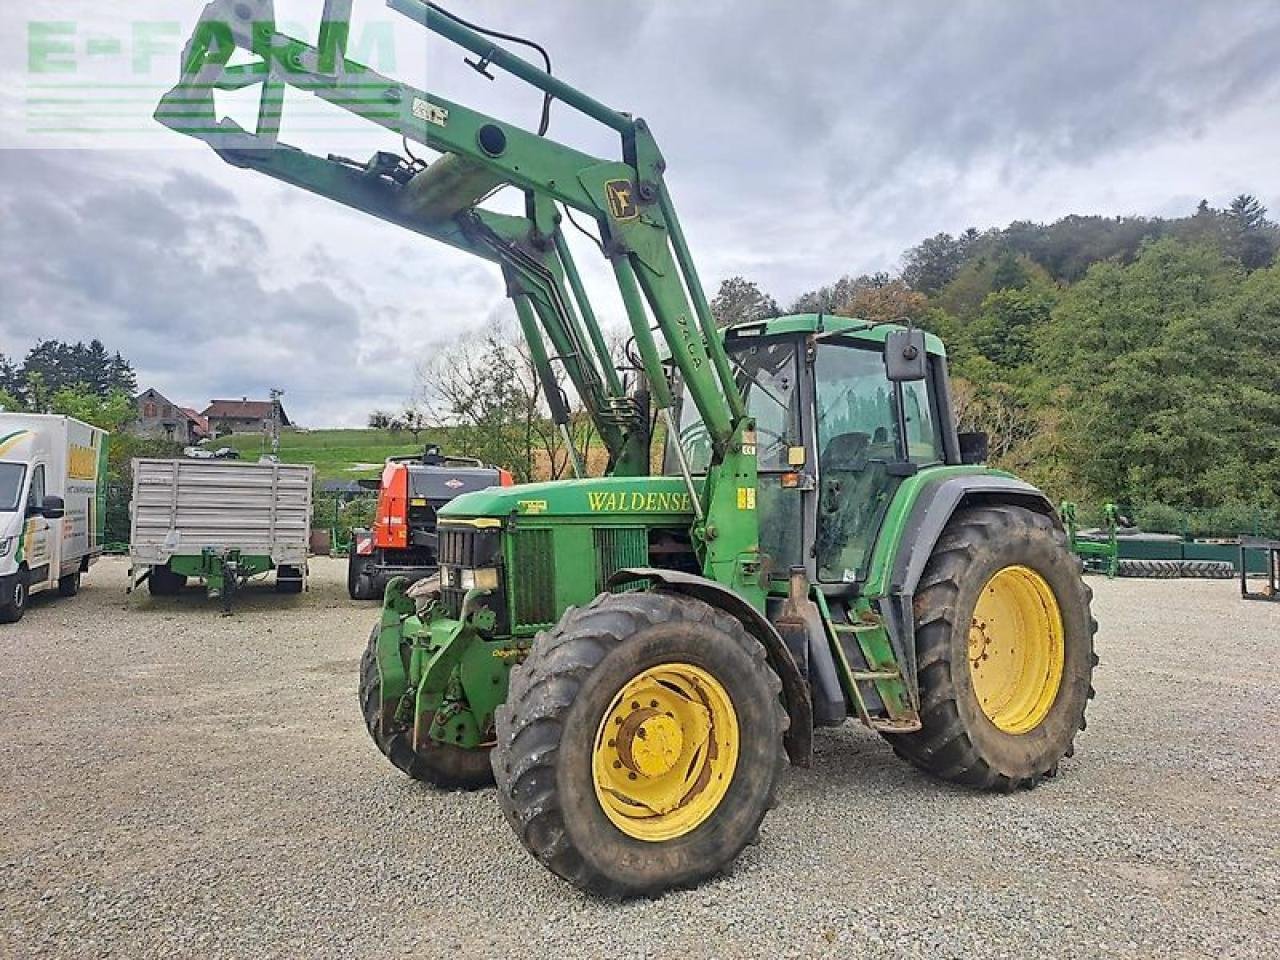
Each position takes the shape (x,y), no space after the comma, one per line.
(818,323)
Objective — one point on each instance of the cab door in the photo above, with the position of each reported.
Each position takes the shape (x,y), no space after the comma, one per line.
(38,538)
(866,445)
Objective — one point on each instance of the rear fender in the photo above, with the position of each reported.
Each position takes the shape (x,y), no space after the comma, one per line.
(932,511)
(795,691)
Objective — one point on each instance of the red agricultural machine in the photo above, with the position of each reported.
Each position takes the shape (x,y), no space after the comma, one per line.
(402,541)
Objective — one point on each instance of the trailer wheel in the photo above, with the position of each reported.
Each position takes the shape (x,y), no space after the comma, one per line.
(163,582)
(288,579)
(15,604)
(69,585)
(441,765)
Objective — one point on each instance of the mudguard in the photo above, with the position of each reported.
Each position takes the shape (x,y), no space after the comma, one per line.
(795,691)
(932,511)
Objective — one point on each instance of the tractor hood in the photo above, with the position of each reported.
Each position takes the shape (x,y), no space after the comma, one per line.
(633,497)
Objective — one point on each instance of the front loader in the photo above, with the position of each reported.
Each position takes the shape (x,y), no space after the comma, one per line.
(633,658)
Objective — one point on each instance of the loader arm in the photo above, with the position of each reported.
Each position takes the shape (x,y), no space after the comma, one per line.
(626,197)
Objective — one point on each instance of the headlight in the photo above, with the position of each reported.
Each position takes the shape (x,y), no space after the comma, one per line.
(6,544)
(486,578)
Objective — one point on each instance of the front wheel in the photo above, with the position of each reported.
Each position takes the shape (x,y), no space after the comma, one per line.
(641,744)
(440,764)
(13,606)
(1004,639)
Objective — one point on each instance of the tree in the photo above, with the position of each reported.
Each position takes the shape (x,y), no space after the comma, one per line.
(379,420)
(836,299)
(52,365)
(741,301)
(110,412)
(932,264)
(1251,237)
(414,421)
(884,302)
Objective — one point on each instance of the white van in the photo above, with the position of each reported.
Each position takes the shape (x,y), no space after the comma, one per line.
(53,493)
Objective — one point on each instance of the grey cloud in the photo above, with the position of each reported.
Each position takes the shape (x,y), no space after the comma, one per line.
(805,140)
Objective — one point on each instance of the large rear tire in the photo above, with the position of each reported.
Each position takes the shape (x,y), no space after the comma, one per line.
(442,765)
(640,746)
(1004,639)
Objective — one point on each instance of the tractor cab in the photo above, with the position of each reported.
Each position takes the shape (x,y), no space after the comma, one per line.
(835,436)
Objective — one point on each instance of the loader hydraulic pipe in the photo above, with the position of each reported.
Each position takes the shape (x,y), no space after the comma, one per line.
(633,302)
(588,315)
(430,17)
(550,389)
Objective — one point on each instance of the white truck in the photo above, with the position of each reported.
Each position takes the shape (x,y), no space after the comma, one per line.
(53,498)
(220,521)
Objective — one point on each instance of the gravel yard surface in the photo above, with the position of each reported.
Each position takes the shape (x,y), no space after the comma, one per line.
(174,783)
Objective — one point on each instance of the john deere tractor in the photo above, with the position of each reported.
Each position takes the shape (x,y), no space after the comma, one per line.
(633,658)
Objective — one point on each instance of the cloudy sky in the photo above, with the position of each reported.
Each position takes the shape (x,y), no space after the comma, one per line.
(804,140)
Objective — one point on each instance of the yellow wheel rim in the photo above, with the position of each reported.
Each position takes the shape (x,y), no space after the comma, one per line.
(665,752)
(1016,649)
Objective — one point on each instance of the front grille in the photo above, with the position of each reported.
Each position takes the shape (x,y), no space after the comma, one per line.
(534,589)
(616,549)
(467,547)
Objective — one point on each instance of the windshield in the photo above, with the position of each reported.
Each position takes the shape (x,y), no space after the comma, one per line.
(856,408)
(766,375)
(11,475)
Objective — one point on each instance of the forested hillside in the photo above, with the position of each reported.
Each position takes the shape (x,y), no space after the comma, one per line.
(1130,359)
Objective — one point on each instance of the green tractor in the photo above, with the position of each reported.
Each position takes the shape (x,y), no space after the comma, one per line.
(633,658)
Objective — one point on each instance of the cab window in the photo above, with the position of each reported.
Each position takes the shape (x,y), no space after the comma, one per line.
(35,496)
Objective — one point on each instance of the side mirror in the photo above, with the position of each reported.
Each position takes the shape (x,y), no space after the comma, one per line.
(905,357)
(53,508)
(973,447)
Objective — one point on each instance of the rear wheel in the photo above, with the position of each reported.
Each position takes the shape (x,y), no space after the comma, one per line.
(1005,651)
(441,764)
(641,744)
(69,585)
(15,604)
(163,582)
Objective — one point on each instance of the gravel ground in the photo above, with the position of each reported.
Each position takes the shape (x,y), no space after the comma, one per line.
(178,784)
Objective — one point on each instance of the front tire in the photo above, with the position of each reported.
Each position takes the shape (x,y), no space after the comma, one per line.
(441,765)
(1004,639)
(640,746)
(15,605)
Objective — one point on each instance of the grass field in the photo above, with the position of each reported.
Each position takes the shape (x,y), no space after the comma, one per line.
(337,454)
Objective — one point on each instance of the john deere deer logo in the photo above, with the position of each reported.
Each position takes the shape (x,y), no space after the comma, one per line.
(622,201)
